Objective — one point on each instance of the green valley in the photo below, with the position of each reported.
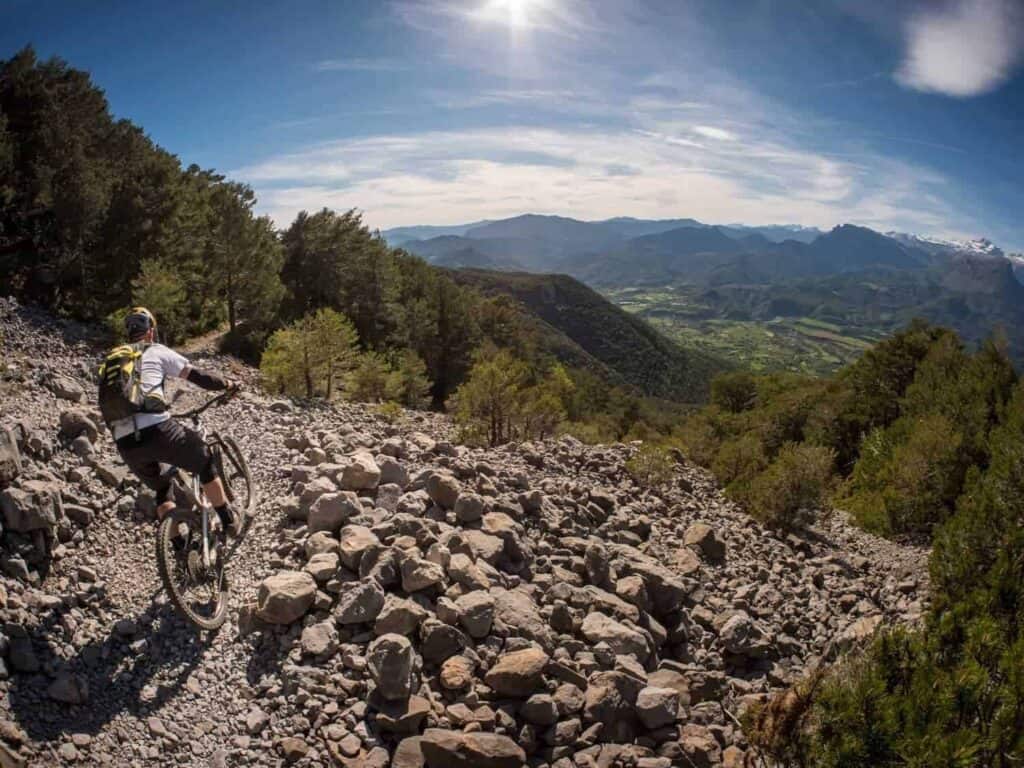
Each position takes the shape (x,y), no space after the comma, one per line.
(799,344)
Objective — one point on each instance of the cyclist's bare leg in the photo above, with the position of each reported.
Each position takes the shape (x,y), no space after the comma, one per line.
(214,491)
(163,509)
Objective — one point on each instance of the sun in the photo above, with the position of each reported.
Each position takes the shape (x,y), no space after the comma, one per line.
(516,13)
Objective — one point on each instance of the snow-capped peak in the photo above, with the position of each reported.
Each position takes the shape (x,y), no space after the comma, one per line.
(980,246)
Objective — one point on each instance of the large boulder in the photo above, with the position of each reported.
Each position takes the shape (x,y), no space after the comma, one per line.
(69,689)
(66,388)
(360,602)
(455,749)
(518,614)
(667,591)
(35,505)
(75,422)
(443,489)
(610,699)
(419,574)
(476,613)
(469,507)
(361,473)
(518,674)
(285,597)
(330,511)
(598,628)
(10,457)
(699,746)
(702,537)
(657,707)
(399,616)
(741,636)
(354,541)
(393,665)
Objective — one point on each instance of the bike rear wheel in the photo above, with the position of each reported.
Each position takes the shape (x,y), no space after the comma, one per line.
(199,593)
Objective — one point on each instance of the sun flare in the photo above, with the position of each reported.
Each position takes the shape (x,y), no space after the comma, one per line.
(518,14)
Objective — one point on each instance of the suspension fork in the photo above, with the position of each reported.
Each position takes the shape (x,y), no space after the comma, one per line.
(204,512)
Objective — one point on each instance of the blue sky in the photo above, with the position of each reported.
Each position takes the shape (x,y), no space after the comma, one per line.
(892,114)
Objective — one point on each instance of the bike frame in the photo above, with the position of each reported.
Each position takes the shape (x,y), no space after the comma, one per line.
(190,484)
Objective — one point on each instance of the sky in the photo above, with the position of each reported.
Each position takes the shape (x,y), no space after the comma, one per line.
(891,114)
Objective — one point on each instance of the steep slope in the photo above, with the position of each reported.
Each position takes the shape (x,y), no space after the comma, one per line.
(848,248)
(537,592)
(627,346)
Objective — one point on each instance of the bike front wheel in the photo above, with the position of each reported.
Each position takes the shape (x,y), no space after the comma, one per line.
(199,591)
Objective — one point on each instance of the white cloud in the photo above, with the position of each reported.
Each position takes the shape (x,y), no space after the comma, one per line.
(453,176)
(964,48)
(714,133)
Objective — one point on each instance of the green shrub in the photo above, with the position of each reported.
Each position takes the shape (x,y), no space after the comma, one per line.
(735,391)
(908,477)
(700,436)
(390,411)
(794,487)
(651,466)
(739,461)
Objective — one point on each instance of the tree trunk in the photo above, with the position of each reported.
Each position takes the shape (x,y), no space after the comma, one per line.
(308,373)
(232,316)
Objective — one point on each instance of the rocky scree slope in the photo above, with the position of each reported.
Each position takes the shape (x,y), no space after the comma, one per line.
(400,600)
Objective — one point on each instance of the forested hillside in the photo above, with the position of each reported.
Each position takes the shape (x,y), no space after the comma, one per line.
(629,348)
(918,437)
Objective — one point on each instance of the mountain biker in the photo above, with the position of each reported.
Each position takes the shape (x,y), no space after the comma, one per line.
(150,437)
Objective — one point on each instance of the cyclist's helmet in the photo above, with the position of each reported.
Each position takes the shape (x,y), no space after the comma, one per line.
(138,322)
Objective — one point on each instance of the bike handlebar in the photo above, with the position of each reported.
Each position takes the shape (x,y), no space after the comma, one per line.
(222,398)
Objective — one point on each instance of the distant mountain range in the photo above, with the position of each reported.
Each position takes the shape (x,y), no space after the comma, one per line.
(850,275)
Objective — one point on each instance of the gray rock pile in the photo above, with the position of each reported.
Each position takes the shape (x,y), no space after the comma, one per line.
(401,600)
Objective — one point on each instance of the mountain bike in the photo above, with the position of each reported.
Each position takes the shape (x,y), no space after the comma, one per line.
(191,556)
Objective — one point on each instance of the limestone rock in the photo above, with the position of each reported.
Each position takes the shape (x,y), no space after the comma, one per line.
(285,596)
(519,673)
(393,666)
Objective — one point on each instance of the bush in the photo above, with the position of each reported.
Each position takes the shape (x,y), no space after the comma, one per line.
(700,436)
(734,392)
(390,411)
(908,477)
(739,461)
(794,486)
(952,692)
(651,466)
(368,380)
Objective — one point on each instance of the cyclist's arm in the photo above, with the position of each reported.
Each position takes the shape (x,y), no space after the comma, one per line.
(206,379)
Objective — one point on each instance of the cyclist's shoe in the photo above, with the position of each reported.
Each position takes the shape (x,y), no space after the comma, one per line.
(231,520)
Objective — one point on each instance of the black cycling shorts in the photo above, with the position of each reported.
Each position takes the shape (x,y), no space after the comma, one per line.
(164,445)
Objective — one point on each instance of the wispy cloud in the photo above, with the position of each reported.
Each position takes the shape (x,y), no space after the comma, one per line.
(711,132)
(361,65)
(964,48)
(444,177)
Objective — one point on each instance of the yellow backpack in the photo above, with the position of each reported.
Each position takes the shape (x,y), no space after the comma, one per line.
(120,392)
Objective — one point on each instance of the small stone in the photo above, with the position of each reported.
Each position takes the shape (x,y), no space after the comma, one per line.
(293,748)
(457,673)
